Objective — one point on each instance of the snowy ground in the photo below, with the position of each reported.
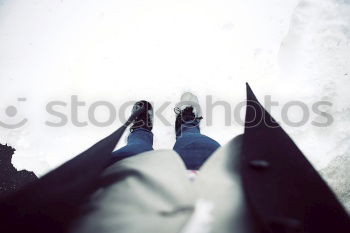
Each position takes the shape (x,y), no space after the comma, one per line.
(119,51)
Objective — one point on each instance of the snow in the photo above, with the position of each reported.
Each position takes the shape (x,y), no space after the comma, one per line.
(120,51)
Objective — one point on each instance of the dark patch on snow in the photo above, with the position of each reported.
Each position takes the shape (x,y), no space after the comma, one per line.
(12,180)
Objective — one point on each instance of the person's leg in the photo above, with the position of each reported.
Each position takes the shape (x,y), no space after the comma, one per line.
(140,140)
(193,147)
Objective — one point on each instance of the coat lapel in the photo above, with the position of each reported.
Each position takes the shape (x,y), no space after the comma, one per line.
(52,201)
(283,189)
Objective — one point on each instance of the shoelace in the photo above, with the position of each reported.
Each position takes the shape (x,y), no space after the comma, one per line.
(178,111)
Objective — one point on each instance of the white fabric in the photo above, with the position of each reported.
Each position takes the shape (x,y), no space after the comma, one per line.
(151,193)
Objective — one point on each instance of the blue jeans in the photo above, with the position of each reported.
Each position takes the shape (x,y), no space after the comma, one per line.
(193,147)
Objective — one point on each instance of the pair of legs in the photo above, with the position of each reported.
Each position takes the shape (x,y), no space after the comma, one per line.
(193,147)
